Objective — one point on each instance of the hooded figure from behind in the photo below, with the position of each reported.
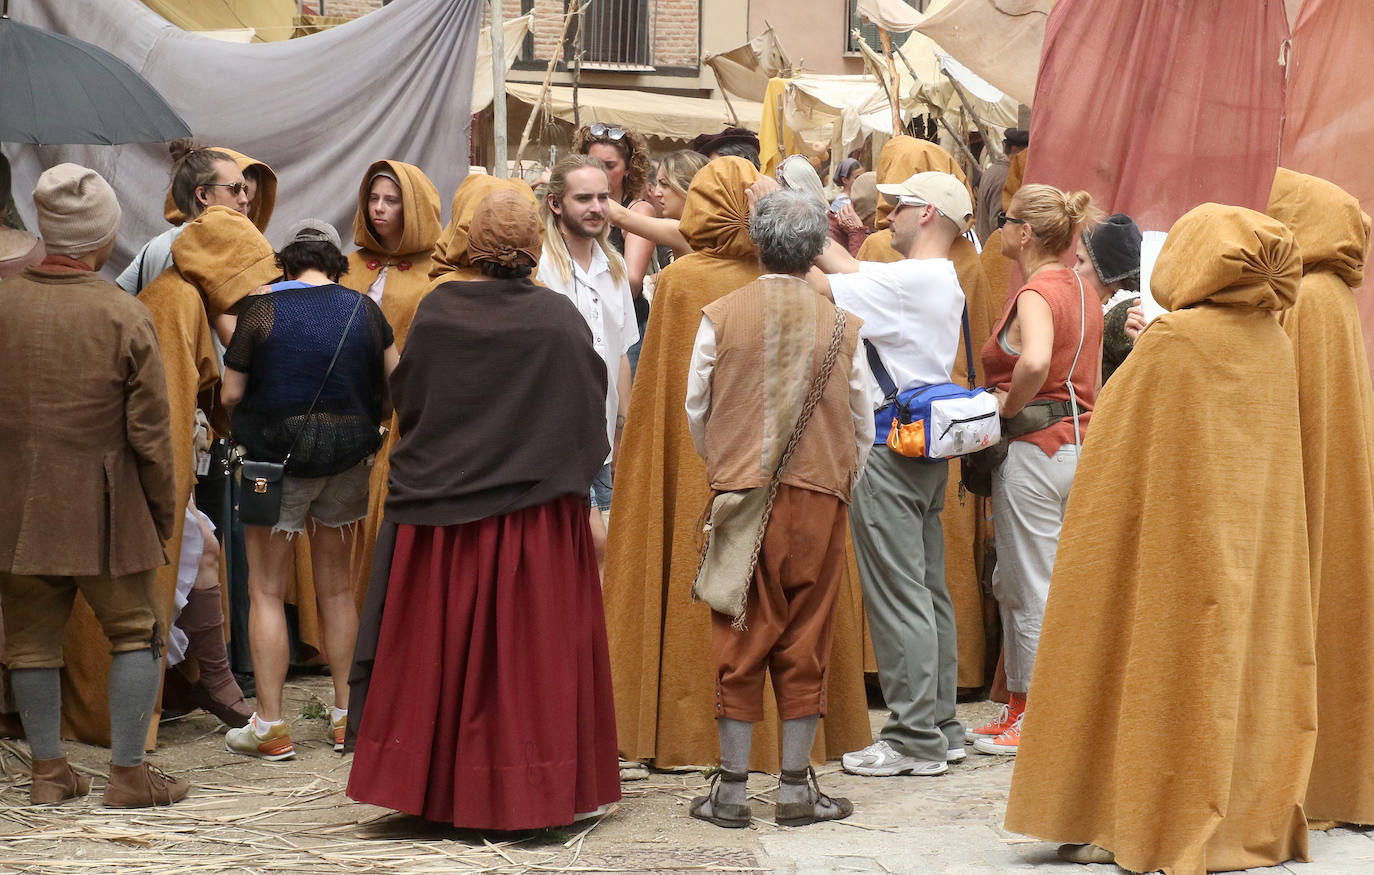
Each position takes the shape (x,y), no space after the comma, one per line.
(1176,655)
(659,640)
(1337,406)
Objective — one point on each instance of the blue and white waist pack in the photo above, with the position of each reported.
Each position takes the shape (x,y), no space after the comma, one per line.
(939,421)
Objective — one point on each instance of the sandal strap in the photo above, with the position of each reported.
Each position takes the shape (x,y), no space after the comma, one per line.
(729,777)
(797,776)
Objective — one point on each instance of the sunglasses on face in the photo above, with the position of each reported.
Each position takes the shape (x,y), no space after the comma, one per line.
(235,188)
(610,132)
(1003,219)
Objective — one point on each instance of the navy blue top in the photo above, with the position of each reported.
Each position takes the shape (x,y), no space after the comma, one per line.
(283,342)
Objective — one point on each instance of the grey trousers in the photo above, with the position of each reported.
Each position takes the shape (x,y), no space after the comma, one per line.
(900,546)
(1029,493)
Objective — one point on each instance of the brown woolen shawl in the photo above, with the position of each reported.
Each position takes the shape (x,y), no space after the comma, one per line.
(659,639)
(1337,404)
(967,531)
(1175,674)
(501,401)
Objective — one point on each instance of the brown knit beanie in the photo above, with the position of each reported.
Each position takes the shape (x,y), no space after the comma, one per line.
(77,210)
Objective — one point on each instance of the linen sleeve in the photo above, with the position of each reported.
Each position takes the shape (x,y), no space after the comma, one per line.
(147,425)
(699,384)
(630,333)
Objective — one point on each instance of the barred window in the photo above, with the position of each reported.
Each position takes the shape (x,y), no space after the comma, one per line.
(616,35)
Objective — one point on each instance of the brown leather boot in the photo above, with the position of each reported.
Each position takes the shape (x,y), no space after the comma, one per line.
(142,786)
(56,781)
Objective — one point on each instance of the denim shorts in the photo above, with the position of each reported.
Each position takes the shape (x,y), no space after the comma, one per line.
(333,500)
(601,489)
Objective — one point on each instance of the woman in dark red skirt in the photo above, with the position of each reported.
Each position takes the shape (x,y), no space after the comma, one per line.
(481,678)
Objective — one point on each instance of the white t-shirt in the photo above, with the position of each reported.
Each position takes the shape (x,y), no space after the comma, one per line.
(150,262)
(912,311)
(609,310)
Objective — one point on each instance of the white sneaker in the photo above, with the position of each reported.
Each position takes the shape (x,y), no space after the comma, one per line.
(956,754)
(881,760)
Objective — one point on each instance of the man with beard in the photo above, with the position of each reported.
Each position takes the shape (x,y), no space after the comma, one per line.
(579,262)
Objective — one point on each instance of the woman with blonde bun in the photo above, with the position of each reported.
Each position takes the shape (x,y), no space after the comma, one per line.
(1044,362)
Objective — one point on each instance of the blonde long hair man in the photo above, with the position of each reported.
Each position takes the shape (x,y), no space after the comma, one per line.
(579,262)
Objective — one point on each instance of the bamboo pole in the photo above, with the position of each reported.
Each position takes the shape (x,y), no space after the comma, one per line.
(893,94)
(548,79)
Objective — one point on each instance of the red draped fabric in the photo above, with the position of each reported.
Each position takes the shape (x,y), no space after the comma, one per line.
(1155,107)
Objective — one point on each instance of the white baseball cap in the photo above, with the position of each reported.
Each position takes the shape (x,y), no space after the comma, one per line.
(943,191)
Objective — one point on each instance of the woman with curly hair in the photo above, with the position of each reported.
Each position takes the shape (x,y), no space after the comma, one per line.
(625,156)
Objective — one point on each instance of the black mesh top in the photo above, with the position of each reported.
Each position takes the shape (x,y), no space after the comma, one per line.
(283,342)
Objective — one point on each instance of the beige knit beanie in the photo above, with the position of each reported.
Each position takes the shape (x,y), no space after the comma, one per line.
(77,210)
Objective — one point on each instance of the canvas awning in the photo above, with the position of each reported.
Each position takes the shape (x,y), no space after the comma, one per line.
(999,40)
(514,30)
(270,20)
(665,116)
(744,72)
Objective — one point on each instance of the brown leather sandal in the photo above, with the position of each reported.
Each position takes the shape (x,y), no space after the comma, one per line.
(804,813)
(730,815)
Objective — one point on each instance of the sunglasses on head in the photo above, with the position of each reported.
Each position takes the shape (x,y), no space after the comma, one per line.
(235,188)
(1003,219)
(610,132)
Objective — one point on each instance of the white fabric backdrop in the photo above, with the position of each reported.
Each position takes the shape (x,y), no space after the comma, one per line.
(394,84)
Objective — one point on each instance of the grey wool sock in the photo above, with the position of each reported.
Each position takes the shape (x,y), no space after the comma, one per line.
(798,735)
(134,679)
(38,692)
(736,737)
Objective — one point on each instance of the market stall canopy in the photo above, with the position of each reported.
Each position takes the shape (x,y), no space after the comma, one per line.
(514,30)
(665,116)
(744,72)
(320,109)
(55,89)
(1000,40)
(269,20)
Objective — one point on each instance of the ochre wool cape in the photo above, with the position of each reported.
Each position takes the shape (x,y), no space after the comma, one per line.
(1337,405)
(1172,709)
(966,521)
(262,205)
(660,640)
(177,300)
(407,281)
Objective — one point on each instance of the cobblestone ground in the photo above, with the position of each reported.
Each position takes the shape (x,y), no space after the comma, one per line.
(248,816)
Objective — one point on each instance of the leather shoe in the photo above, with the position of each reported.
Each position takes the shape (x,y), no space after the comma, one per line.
(56,781)
(142,786)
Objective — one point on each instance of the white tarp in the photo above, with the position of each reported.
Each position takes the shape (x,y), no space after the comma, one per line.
(744,71)
(655,115)
(513,32)
(395,84)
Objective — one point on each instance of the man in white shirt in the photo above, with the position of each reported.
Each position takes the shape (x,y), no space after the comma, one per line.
(579,262)
(912,311)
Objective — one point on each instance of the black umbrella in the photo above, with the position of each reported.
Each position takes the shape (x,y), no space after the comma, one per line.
(59,90)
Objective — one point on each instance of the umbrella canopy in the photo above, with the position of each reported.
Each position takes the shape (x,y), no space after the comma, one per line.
(59,90)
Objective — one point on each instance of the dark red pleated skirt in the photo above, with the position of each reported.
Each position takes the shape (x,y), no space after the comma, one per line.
(490,705)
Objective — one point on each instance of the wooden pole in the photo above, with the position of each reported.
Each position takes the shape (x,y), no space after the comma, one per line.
(725,94)
(893,93)
(548,79)
(498,91)
(988,142)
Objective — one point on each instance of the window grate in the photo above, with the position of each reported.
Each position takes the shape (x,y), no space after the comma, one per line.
(616,35)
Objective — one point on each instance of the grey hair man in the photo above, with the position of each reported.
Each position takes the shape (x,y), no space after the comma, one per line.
(760,353)
(912,312)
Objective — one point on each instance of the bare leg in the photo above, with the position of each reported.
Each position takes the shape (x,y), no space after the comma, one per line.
(598,524)
(269,563)
(330,550)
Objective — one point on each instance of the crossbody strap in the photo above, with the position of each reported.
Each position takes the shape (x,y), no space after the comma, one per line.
(889,388)
(337,349)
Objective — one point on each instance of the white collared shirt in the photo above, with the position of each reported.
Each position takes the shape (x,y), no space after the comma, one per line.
(912,311)
(609,310)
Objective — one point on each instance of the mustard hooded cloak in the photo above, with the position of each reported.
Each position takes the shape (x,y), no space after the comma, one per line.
(660,641)
(966,523)
(220,257)
(1337,404)
(264,201)
(1174,712)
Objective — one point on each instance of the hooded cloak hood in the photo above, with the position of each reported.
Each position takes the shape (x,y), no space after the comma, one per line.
(225,257)
(1331,230)
(715,217)
(904,156)
(419,207)
(264,201)
(1227,255)
(451,249)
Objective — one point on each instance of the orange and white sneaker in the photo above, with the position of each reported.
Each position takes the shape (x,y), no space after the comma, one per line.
(338,729)
(1004,744)
(999,723)
(253,740)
